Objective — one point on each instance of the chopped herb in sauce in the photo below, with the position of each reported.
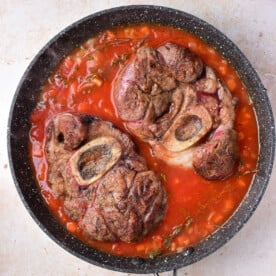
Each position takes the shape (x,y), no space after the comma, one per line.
(91,77)
(120,59)
(62,79)
(168,240)
(153,254)
(113,42)
(188,222)
(240,160)
(89,57)
(141,42)
(163,177)
(177,230)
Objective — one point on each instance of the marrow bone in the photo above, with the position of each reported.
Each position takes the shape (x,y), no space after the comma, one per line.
(94,159)
(188,129)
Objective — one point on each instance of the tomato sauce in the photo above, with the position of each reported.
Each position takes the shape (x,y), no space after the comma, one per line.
(83,82)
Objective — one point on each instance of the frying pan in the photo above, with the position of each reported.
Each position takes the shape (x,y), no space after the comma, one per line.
(26,97)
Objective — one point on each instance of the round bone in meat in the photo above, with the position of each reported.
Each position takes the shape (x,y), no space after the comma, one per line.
(94,159)
(187,129)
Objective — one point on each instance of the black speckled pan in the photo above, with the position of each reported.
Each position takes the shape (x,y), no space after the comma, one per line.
(26,97)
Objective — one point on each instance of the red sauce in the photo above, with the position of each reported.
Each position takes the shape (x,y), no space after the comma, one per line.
(83,82)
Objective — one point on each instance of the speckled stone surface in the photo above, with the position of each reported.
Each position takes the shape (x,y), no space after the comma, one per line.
(26,96)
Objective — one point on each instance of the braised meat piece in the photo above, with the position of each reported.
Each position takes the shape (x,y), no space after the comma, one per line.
(143,95)
(208,83)
(132,102)
(64,133)
(131,204)
(159,116)
(104,184)
(148,70)
(170,99)
(212,106)
(148,94)
(182,63)
(216,159)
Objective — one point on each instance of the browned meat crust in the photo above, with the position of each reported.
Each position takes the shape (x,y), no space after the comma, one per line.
(105,185)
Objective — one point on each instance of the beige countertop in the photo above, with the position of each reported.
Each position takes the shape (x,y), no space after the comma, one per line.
(25,27)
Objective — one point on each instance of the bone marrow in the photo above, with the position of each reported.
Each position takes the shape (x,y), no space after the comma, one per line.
(94,159)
